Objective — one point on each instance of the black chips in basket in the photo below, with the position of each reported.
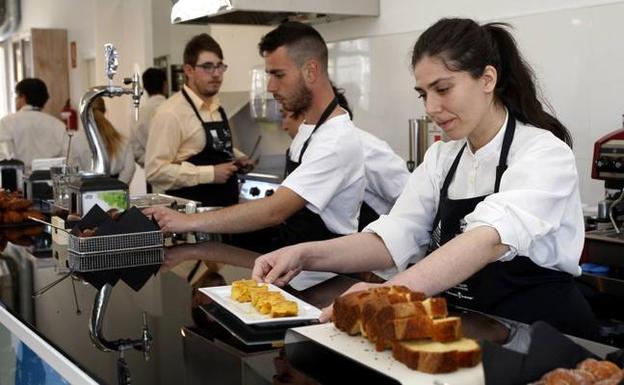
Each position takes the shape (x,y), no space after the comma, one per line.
(104,248)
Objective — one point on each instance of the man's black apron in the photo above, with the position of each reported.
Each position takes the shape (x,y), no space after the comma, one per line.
(518,289)
(218,149)
(367,215)
(304,225)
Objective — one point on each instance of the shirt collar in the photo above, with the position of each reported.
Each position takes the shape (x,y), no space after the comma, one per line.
(200,104)
(494,145)
(159,97)
(28,107)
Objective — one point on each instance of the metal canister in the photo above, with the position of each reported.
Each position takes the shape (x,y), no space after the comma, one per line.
(190,208)
(603,210)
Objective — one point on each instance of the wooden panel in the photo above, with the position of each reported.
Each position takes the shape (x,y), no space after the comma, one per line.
(50,64)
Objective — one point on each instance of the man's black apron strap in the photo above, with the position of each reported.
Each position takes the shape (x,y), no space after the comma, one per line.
(330,108)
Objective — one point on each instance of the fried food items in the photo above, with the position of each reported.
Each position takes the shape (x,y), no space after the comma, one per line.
(15,209)
(264,301)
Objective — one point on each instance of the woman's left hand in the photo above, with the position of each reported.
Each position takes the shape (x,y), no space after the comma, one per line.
(327,313)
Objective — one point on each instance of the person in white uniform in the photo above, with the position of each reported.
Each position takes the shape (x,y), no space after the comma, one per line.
(386,172)
(492,218)
(120,155)
(30,133)
(155,84)
(320,197)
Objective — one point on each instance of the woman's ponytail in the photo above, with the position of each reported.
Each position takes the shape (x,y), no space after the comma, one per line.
(517,88)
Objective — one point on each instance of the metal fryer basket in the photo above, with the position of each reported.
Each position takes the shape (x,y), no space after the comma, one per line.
(106,252)
(116,260)
(114,243)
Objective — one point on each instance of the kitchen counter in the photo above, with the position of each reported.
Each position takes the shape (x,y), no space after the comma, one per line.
(169,299)
(188,346)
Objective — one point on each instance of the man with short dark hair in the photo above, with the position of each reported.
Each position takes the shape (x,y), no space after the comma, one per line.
(30,133)
(155,84)
(320,198)
(189,150)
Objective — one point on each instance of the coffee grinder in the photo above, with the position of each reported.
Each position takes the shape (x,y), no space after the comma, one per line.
(97,186)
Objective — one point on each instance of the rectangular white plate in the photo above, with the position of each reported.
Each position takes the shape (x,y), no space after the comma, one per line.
(361,350)
(249,315)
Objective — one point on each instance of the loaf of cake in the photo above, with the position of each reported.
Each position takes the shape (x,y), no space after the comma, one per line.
(418,329)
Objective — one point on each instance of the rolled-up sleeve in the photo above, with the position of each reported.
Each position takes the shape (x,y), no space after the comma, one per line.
(537,211)
(406,230)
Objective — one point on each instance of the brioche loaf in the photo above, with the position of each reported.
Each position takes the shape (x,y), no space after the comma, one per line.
(417,329)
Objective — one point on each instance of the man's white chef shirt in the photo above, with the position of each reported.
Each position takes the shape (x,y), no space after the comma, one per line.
(31,134)
(331,175)
(386,173)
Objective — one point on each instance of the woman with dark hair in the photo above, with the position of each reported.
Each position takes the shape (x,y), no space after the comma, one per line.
(492,218)
(119,151)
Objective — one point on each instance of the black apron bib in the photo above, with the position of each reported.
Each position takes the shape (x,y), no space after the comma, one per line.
(218,149)
(518,289)
(304,225)
(367,215)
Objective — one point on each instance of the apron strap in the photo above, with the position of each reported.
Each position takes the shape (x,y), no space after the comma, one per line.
(502,161)
(436,235)
(188,99)
(451,172)
(328,110)
(500,169)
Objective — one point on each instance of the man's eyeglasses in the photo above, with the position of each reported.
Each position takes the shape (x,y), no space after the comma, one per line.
(210,67)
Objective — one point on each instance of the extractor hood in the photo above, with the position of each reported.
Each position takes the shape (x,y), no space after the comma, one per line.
(269,12)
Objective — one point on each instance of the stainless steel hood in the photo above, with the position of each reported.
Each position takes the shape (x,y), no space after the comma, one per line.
(269,12)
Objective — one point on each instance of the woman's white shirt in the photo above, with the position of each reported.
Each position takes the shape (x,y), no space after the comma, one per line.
(122,163)
(537,211)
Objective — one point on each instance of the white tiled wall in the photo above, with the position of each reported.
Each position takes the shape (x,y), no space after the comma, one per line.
(576,53)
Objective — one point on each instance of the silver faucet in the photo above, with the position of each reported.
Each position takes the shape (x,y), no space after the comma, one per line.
(101,160)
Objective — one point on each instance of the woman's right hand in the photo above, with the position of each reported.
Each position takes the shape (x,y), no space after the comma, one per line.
(278,267)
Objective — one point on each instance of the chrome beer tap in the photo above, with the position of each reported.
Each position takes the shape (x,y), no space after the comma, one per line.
(101,160)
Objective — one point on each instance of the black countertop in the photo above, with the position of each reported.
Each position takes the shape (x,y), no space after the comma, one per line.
(168,298)
(188,346)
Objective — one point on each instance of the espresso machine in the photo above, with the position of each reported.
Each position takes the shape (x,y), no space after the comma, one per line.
(608,165)
(96,186)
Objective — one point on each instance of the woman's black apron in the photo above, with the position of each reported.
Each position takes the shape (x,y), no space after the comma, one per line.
(518,289)
(218,149)
(304,225)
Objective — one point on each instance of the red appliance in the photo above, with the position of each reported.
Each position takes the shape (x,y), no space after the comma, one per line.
(608,162)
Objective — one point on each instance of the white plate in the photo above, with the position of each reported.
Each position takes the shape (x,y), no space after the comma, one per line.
(249,315)
(361,350)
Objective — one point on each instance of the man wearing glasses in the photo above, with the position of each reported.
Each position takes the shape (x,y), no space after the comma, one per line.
(189,150)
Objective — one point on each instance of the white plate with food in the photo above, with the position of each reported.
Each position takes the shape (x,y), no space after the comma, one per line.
(247,313)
